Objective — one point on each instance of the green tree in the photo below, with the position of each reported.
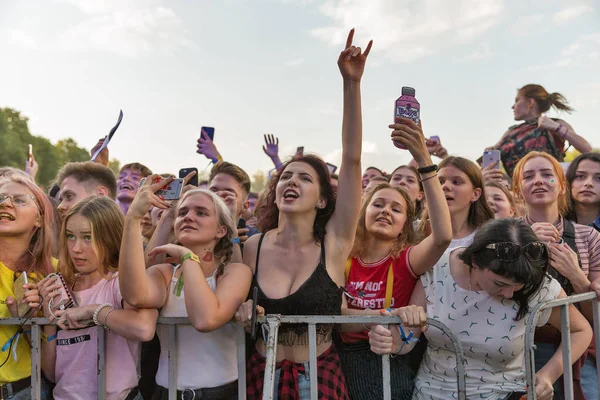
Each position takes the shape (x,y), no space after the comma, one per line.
(68,151)
(259,181)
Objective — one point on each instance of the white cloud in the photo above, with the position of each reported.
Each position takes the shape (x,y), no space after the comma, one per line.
(128,28)
(584,50)
(293,63)
(484,51)
(571,13)
(23,39)
(529,24)
(406,30)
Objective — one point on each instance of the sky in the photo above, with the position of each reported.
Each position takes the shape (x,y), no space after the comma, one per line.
(249,68)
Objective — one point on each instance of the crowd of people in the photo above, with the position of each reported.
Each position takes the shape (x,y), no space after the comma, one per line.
(474,248)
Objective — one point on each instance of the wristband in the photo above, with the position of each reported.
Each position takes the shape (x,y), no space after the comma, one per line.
(218,159)
(190,256)
(428,178)
(429,168)
(235,240)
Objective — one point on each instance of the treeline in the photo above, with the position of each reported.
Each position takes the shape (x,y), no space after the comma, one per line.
(15,138)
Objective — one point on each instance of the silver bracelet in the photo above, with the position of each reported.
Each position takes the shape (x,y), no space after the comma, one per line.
(97,312)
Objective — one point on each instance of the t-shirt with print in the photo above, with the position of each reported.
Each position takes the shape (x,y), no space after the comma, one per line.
(367,282)
(77,353)
(493,342)
(13,370)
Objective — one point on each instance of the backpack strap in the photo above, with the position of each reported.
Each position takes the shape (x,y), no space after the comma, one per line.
(389,286)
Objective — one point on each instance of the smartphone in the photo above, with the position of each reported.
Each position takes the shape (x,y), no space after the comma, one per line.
(172,191)
(183,172)
(20,279)
(209,131)
(65,299)
(30,153)
(241,223)
(332,168)
(490,157)
(300,150)
(435,139)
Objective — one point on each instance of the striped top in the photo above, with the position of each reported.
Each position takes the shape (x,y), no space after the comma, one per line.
(587,240)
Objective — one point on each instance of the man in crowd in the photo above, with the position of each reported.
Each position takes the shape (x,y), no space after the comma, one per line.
(80,180)
(128,183)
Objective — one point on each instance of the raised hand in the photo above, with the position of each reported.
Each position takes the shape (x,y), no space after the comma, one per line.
(492,174)
(146,197)
(207,147)
(352,60)
(271,147)
(104,154)
(32,167)
(408,135)
(174,251)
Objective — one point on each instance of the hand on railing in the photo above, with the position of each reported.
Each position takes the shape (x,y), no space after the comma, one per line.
(243,316)
(76,318)
(544,389)
(387,341)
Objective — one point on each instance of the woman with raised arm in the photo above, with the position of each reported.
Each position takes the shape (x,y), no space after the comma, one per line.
(537,132)
(386,265)
(197,281)
(298,262)
(485,293)
(25,250)
(540,182)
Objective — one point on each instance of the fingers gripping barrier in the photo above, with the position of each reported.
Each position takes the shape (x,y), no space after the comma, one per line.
(273,321)
(530,347)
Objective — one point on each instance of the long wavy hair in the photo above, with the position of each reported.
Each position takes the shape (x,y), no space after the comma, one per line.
(407,235)
(38,257)
(269,216)
(571,174)
(106,221)
(224,247)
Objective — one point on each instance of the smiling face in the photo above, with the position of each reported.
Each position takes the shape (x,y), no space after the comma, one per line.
(21,219)
(298,189)
(385,215)
(80,244)
(585,188)
(128,184)
(197,221)
(498,202)
(409,181)
(458,189)
(540,185)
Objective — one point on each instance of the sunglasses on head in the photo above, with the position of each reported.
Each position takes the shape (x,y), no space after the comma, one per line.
(507,251)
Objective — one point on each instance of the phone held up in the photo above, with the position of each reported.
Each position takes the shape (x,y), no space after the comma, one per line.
(30,152)
(210,131)
(183,172)
(490,157)
(172,191)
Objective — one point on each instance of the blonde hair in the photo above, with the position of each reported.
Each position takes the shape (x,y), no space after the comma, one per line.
(407,235)
(224,247)
(38,258)
(106,221)
(563,197)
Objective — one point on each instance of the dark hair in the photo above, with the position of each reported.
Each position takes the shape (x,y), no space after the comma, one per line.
(571,173)
(89,173)
(376,169)
(141,168)
(234,171)
(479,211)
(524,270)
(545,100)
(269,215)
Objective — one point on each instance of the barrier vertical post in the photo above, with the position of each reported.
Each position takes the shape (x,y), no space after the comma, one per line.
(271,358)
(101,339)
(385,368)
(172,355)
(36,376)
(241,356)
(312,348)
(566,347)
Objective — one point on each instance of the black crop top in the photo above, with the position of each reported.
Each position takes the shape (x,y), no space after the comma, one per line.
(318,295)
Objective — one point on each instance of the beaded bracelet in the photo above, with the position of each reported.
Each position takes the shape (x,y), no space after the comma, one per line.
(97,312)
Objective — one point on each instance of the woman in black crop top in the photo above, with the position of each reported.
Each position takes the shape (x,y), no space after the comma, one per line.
(303,252)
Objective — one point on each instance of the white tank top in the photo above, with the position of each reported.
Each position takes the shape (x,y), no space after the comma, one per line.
(204,359)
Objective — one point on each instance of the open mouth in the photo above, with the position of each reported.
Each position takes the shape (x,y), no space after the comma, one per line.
(79,261)
(126,186)
(290,194)
(539,191)
(384,221)
(6,216)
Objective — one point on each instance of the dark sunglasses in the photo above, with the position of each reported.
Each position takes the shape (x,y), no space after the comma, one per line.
(507,251)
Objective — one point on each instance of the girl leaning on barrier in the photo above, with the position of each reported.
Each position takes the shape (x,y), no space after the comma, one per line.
(574,249)
(197,281)
(484,293)
(298,262)
(89,254)
(25,248)
(386,265)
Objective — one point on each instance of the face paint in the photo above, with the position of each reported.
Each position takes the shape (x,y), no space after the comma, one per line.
(552,183)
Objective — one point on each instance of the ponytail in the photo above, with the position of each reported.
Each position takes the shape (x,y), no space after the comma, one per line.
(545,100)
(559,102)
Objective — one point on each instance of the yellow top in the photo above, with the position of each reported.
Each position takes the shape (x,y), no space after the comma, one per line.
(13,370)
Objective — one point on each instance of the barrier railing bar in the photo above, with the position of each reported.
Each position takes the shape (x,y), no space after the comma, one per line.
(530,333)
(387,379)
(273,321)
(269,383)
(172,357)
(312,348)
(101,363)
(36,364)
(565,330)
(241,356)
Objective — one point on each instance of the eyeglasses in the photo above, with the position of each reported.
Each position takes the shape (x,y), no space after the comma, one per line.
(17,200)
(507,251)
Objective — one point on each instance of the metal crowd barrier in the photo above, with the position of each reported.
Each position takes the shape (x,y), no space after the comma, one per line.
(273,321)
(565,339)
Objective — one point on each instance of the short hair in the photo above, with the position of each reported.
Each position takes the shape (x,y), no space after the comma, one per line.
(89,173)
(6,172)
(143,170)
(234,171)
